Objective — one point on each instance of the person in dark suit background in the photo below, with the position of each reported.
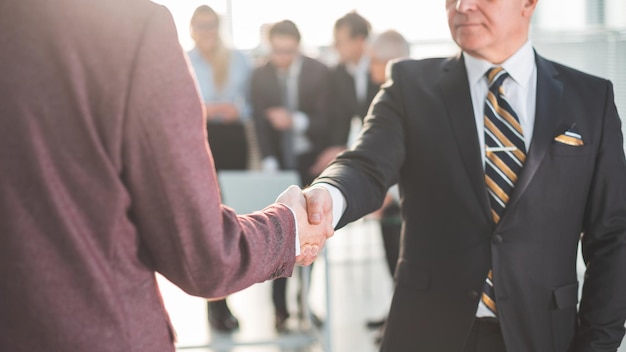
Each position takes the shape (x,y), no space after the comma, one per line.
(351,84)
(289,98)
(290,104)
(506,161)
(107,179)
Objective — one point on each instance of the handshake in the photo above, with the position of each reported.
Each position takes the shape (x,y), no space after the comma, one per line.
(314,219)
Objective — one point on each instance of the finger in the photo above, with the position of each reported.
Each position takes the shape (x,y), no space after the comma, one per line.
(300,260)
(305,250)
(290,196)
(303,260)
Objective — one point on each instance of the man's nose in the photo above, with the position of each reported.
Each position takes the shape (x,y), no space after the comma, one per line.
(465,5)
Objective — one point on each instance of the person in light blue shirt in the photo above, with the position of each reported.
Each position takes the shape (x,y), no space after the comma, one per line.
(234,91)
(222,75)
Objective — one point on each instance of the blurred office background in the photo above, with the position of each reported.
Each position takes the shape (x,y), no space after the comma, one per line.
(589,35)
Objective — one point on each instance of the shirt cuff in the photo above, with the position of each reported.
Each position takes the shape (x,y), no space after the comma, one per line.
(339,201)
(394,191)
(295,221)
(270,164)
(300,122)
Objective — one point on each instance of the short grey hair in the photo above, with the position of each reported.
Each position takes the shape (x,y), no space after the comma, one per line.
(389,45)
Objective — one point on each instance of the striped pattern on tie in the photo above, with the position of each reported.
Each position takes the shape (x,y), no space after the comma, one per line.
(505,154)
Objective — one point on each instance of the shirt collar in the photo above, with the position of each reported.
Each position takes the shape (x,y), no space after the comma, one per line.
(361,67)
(293,70)
(519,66)
(296,65)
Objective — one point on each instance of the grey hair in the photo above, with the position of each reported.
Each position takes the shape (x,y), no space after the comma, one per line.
(389,45)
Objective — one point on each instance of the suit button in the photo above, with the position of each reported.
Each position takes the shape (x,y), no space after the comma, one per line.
(497,239)
(472,295)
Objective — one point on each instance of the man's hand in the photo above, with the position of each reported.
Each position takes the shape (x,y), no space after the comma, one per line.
(224,112)
(328,155)
(378,214)
(280,118)
(312,235)
(228,112)
(319,206)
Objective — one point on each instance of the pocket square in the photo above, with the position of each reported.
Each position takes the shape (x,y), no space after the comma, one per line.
(570,137)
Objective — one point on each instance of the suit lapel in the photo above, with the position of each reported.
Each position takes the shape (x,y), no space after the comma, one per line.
(549,94)
(458,102)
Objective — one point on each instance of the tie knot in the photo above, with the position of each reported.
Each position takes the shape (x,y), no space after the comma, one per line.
(496,75)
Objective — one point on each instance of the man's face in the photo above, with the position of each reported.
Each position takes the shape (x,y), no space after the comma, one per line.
(490,29)
(205,31)
(349,48)
(284,50)
(378,70)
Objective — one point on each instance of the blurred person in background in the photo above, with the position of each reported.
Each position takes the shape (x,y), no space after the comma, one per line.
(290,108)
(107,179)
(351,85)
(223,77)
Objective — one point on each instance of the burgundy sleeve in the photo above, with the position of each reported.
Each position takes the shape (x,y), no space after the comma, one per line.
(186,234)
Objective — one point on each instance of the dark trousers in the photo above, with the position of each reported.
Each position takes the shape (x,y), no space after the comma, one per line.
(279,294)
(279,286)
(229,145)
(485,336)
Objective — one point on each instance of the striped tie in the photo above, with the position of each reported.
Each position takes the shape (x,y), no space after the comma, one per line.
(505,155)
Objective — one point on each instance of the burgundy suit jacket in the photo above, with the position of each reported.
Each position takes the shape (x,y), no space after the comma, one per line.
(106,178)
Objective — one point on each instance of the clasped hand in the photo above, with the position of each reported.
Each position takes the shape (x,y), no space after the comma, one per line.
(313,209)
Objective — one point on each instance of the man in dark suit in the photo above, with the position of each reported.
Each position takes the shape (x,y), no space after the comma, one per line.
(289,99)
(107,178)
(503,159)
(351,85)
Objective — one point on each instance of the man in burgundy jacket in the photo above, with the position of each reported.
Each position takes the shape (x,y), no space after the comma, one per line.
(106,178)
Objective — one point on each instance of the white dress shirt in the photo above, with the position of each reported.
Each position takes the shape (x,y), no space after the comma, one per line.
(520,89)
(521,92)
(360,73)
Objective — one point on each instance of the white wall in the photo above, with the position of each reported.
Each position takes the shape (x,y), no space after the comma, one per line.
(561,14)
(615,14)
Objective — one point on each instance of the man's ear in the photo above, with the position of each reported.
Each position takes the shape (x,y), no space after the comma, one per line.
(529,7)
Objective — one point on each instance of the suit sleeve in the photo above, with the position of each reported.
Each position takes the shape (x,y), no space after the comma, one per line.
(185,232)
(603,305)
(364,173)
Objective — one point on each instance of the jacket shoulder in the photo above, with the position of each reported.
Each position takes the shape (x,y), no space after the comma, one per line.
(571,75)
(312,63)
(569,72)
(424,68)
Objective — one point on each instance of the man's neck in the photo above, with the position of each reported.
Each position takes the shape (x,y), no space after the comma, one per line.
(499,55)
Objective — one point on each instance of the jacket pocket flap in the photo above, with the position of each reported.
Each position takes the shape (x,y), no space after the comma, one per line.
(566,296)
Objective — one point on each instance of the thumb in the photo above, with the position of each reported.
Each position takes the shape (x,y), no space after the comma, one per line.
(315,204)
